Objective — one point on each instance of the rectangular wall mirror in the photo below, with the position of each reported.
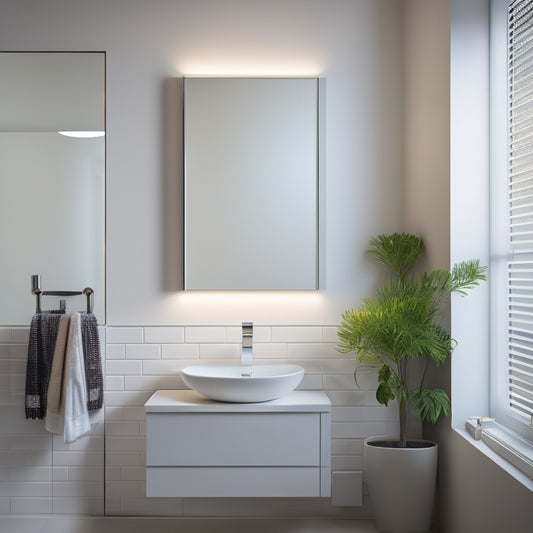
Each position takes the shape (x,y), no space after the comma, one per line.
(251,183)
(52,186)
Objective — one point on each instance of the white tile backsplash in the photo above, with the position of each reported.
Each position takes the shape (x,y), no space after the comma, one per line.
(347,462)
(262,334)
(166,366)
(26,489)
(267,350)
(151,383)
(234,334)
(180,351)
(35,460)
(115,351)
(350,430)
(85,473)
(114,383)
(77,489)
(31,505)
(365,414)
(347,446)
(311,382)
(143,351)
(308,350)
(200,334)
(164,335)
(123,429)
(127,444)
(344,397)
(46,476)
(123,368)
(297,334)
(39,473)
(20,335)
(35,443)
(220,351)
(133,473)
(78,506)
(123,335)
(70,458)
(329,334)
(60,473)
(338,381)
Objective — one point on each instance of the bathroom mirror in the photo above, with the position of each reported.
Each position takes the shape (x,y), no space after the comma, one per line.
(250,183)
(52,186)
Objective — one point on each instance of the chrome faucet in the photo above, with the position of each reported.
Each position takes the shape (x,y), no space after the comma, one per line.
(247,347)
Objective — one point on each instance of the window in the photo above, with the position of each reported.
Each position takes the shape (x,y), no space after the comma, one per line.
(520,156)
(512,215)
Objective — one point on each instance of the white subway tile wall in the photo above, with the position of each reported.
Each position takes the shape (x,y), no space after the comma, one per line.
(40,474)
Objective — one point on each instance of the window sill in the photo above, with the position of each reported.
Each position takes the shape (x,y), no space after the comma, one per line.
(496,456)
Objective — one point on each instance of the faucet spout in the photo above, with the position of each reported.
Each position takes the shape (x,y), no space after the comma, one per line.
(247,344)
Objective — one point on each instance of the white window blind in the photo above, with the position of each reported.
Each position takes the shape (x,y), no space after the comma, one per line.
(520,267)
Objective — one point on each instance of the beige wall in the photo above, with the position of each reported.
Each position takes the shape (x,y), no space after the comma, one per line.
(426,166)
(443,178)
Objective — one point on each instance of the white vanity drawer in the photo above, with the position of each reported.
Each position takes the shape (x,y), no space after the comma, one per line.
(201,482)
(200,448)
(233,439)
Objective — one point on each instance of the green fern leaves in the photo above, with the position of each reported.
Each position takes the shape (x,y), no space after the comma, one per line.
(399,252)
(401,323)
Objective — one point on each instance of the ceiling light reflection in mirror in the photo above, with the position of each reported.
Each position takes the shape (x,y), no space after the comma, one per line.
(52,203)
(82,134)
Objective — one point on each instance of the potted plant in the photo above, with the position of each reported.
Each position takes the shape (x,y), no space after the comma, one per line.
(399,330)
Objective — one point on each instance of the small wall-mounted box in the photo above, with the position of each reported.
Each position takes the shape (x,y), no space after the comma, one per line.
(201,448)
(347,488)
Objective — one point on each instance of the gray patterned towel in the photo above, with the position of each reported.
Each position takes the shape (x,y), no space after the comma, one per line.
(43,334)
(93,361)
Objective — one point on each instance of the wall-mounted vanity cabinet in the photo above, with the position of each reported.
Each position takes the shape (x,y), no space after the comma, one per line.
(201,448)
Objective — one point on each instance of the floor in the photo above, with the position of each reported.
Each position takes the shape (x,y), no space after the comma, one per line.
(35,524)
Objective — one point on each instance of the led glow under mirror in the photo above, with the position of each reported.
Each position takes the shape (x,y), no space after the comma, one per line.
(251,183)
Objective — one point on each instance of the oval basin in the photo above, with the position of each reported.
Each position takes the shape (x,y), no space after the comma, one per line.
(234,384)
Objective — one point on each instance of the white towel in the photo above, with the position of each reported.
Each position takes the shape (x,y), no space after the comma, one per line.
(55,413)
(72,417)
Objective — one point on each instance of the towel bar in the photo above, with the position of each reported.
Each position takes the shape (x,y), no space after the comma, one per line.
(36,290)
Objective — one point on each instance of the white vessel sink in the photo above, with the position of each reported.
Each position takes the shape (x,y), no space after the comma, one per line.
(234,384)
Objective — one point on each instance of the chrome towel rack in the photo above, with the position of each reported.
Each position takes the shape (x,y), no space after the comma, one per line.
(36,290)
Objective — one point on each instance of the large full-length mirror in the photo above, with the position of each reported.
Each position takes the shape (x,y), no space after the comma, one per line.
(251,181)
(52,185)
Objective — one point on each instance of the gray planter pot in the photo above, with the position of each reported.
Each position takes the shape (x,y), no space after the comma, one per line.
(401,484)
